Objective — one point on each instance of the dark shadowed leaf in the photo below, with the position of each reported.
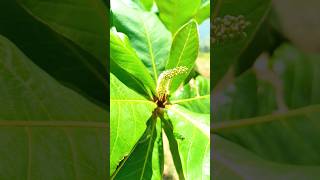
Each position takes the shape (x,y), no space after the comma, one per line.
(285,133)
(226,52)
(47,130)
(231,161)
(84,22)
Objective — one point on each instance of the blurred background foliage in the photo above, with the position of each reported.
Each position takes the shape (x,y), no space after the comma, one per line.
(265,91)
(53,89)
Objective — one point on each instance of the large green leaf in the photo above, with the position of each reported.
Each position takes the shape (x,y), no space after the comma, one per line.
(203,12)
(151,40)
(56,55)
(45,127)
(129,80)
(124,56)
(192,132)
(82,21)
(184,51)
(175,13)
(231,161)
(227,52)
(194,96)
(146,4)
(289,136)
(146,160)
(129,112)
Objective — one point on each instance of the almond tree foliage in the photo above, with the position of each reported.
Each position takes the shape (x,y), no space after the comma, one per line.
(153,49)
(53,89)
(266,101)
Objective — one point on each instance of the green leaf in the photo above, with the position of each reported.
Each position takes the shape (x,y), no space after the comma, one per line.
(151,40)
(82,21)
(146,4)
(175,14)
(194,141)
(173,145)
(266,40)
(184,51)
(299,73)
(238,123)
(55,54)
(125,57)
(43,137)
(203,12)
(227,52)
(231,161)
(146,160)
(129,112)
(229,104)
(215,8)
(287,130)
(129,80)
(194,96)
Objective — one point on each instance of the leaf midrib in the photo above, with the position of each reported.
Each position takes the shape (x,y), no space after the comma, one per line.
(241,123)
(66,124)
(148,150)
(184,46)
(150,49)
(190,99)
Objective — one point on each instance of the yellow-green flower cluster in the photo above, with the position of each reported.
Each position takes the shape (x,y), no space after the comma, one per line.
(228,27)
(165,78)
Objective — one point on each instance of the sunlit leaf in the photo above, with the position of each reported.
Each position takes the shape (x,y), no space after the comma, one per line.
(129,112)
(151,40)
(175,14)
(184,51)
(192,132)
(124,56)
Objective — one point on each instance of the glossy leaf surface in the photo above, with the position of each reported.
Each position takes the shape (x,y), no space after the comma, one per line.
(125,56)
(129,113)
(146,160)
(175,13)
(151,40)
(192,132)
(203,12)
(194,96)
(184,51)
